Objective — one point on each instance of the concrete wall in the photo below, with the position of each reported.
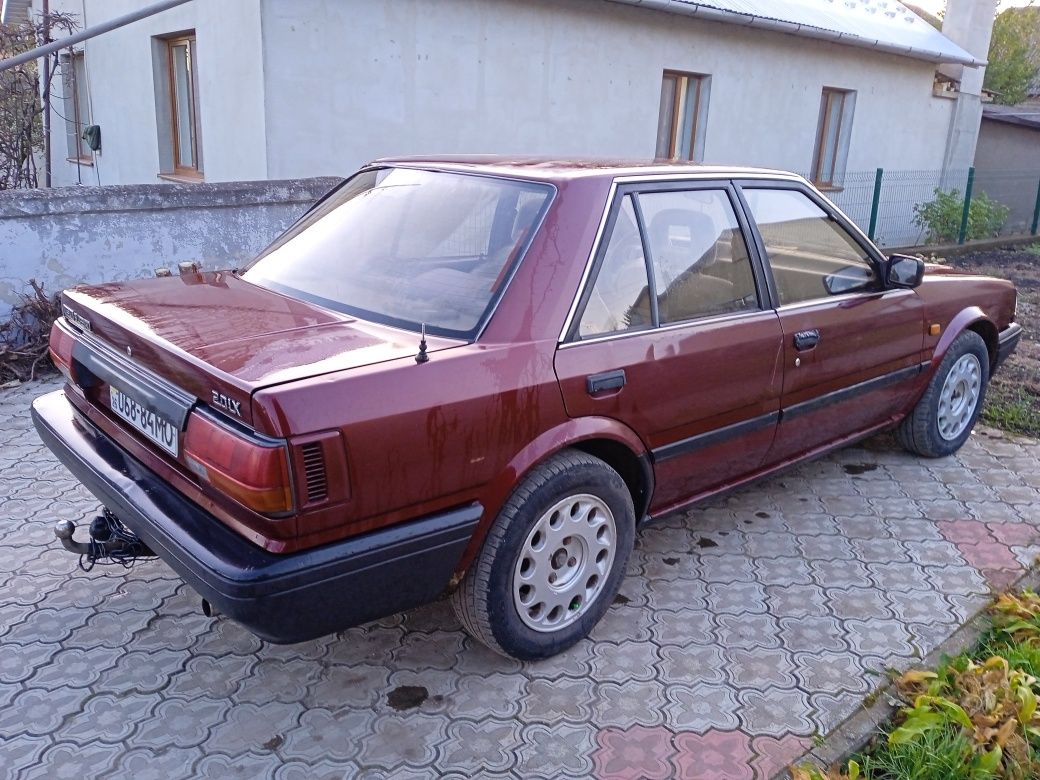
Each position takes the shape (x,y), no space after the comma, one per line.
(1005,147)
(123,95)
(1007,167)
(294,88)
(348,81)
(66,236)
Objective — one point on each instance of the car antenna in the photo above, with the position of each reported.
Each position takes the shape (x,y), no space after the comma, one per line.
(422,357)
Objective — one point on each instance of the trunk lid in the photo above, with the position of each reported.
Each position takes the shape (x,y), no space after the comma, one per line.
(212,334)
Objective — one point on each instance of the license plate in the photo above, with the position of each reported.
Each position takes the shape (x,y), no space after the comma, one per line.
(155,428)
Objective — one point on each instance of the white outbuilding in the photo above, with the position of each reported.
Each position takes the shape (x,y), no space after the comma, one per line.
(222,90)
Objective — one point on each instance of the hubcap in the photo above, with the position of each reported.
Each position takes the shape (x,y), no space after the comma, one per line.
(564,563)
(959,397)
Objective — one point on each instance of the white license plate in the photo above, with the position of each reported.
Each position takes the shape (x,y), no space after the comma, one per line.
(155,428)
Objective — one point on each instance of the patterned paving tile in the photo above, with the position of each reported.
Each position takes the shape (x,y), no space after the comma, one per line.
(745,625)
(713,754)
(635,753)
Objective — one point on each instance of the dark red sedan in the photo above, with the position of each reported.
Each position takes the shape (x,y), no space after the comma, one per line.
(477,376)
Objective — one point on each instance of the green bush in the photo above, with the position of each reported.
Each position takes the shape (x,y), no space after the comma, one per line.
(941,217)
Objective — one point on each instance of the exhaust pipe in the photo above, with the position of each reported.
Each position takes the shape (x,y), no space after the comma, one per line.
(208,609)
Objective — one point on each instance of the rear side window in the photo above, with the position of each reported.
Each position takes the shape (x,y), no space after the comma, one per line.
(620,298)
(700,261)
(810,254)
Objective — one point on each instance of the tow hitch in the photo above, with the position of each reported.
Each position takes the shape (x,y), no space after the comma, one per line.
(110,542)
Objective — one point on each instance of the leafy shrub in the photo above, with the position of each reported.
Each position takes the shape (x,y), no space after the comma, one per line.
(941,217)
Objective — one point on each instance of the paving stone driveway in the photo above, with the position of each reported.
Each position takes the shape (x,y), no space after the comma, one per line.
(745,627)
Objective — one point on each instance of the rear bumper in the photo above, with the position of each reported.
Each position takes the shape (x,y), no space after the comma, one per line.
(1008,341)
(281,598)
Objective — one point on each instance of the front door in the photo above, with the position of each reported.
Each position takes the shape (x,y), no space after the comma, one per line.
(852,349)
(674,337)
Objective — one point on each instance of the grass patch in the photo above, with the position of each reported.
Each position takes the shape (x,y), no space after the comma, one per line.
(975,717)
(1033,249)
(1012,409)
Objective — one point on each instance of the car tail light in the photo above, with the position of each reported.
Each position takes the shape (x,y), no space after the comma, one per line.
(252,471)
(60,348)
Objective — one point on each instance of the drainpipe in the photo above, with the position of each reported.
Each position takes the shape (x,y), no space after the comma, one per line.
(90,32)
(46,97)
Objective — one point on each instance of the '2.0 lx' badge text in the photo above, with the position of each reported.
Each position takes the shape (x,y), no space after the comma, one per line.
(228,404)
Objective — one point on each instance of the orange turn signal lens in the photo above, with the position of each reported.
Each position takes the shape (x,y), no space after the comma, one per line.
(255,473)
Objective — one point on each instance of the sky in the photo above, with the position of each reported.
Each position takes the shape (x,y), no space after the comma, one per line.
(934,6)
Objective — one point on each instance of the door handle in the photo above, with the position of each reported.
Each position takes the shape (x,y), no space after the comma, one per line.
(605,382)
(806,339)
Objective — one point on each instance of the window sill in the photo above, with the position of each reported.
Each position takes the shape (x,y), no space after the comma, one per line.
(89,161)
(182,178)
(828,187)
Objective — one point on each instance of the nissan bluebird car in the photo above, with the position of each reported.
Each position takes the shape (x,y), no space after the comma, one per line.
(478,377)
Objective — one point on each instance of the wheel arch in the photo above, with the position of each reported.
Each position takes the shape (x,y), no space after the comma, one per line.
(636,470)
(609,440)
(974,319)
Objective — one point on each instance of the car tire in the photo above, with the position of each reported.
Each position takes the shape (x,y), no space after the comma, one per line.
(942,420)
(552,561)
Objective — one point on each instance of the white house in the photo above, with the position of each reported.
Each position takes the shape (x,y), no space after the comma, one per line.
(222,90)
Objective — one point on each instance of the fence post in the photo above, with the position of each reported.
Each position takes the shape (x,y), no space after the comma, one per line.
(877,202)
(1036,211)
(962,235)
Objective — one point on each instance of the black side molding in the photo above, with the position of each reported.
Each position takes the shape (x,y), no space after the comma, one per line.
(845,393)
(719,435)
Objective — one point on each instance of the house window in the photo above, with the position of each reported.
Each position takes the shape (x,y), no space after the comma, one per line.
(184,136)
(683,114)
(76,105)
(832,137)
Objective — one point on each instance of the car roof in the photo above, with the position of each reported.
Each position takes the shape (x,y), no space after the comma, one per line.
(558,169)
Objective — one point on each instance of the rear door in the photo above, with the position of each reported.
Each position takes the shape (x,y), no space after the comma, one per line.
(852,349)
(673,335)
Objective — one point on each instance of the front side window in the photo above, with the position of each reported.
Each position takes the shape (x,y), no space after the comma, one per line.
(832,137)
(810,254)
(682,116)
(700,261)
(408,248)
(184,106)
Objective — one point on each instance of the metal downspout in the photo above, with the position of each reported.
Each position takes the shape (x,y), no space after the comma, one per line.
(90,32)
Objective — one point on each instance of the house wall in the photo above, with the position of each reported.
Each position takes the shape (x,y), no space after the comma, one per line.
(65,236)
(119,68)
(1007,167)
(348,81)
(292,88)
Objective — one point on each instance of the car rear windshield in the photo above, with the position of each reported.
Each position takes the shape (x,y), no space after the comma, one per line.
(408,247)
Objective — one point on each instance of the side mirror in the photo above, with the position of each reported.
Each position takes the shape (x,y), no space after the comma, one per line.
(848,279)
(904,271)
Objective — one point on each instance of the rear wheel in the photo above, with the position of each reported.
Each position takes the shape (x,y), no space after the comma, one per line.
(943,418)
(552,561)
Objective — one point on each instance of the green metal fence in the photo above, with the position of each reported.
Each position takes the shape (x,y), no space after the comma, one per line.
(914,208)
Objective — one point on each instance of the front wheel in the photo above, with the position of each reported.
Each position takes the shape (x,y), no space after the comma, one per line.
(552,561)
(943,418)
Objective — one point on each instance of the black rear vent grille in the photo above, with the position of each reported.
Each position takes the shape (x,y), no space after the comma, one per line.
(314,472)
